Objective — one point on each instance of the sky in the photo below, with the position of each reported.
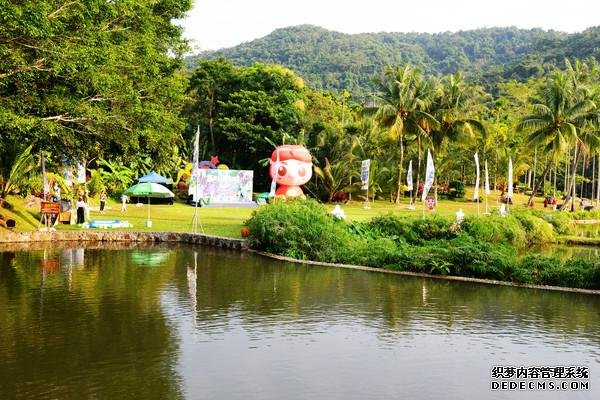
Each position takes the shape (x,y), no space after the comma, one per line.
(211,24)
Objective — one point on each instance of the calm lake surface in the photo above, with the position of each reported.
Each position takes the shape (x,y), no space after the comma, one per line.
(198,323)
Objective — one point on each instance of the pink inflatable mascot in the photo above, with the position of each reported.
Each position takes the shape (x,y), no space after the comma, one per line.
(291,166)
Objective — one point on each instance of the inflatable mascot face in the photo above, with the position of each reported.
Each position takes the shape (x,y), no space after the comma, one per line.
(291,166)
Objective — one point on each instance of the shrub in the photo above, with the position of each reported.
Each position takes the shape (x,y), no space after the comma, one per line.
(562,224)
(301,229)
(413,231)
(581,214)
(537,230)
(481,247)
(495,229)
(551,270)
(477,259)
(457,189)
(392,227)
(381,253)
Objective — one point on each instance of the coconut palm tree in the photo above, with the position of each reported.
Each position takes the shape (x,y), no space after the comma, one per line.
(558,117)
(402,102)
(455,109)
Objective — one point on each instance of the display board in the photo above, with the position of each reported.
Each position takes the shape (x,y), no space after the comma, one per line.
(222,186)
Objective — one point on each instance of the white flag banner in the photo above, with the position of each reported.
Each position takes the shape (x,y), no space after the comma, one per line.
(476,195)
(273,183)
(487,180)
(409,180)
(196,156)
(429,176)
(510,178)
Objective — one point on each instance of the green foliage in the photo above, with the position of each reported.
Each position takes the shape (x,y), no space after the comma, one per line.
(244,109)
(561,222)
(18,174)
(92,77)
(482,247)
(496,229)
(301,229)
(547,270)
(115,176)
(583,215)
(96,184)
(334,61)
(537,229)
(457,189)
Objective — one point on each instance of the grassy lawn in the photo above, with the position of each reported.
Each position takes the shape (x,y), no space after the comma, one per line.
(228,221)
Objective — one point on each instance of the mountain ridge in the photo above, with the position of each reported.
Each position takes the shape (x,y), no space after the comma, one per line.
(332,61)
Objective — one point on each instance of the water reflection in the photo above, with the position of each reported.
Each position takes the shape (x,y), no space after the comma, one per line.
(83,324)
(196,323)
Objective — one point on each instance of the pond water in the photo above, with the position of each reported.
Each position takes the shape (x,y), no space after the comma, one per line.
(198,323)
(565,251)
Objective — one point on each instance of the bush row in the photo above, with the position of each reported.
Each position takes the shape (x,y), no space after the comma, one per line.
(480,247)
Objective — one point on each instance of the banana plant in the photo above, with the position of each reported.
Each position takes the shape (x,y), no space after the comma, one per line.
(116,176)
(20,171)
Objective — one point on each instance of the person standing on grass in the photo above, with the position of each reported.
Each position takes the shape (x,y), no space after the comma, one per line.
(81,210)
(123,202)
(102,201)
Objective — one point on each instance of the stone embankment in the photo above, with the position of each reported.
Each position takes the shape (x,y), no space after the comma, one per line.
(113,236)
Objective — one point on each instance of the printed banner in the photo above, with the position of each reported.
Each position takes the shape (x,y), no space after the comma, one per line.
(364,174)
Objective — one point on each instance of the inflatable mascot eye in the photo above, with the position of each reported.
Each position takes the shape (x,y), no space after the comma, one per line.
(282,171)
(301,171)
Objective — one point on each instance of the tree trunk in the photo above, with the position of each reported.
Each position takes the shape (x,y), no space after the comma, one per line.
(555,172)
(210,124)
(533,176)
(541,179)
(582,175)
(593,177)
(567,175)
(598,184)
(400,171)
(570,193)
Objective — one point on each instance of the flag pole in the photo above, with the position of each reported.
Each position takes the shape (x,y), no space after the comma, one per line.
(195,158)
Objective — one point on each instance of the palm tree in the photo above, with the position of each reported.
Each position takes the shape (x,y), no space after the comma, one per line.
(559,116)
(403,98)
(455,109)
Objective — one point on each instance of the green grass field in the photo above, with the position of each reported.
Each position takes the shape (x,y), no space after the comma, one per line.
(229,221)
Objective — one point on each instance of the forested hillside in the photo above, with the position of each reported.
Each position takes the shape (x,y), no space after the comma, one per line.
(333,61)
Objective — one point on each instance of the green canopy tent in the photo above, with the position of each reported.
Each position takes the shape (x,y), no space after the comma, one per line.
(149,189)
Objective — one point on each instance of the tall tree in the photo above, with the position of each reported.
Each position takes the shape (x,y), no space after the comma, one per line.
(211,83)
(92,76)
(402,102)
(457,108)
(561,115)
